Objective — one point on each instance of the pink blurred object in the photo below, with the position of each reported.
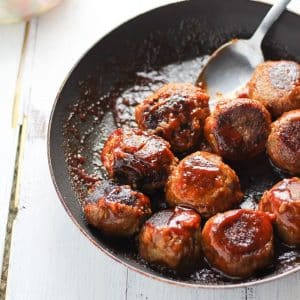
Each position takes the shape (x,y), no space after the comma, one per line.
(12,11)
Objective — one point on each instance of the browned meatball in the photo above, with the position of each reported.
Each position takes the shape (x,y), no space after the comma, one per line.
(283,146)
(238,129)
(276,84)
(172,238)
(175,112)
(134,157)
(116,210)
(238,242)
(283,199)
(204,182)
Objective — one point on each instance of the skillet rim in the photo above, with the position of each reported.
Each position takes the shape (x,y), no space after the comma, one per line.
(115,257)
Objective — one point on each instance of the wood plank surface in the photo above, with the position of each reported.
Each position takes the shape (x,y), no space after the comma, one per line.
(50,258)
(11,41)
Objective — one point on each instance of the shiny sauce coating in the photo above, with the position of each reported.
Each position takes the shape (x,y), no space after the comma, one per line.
(243,233)
(85,137)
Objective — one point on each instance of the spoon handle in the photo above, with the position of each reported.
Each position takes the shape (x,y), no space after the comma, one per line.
(273,14)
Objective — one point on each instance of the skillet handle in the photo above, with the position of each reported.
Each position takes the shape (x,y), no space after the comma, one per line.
(273,14)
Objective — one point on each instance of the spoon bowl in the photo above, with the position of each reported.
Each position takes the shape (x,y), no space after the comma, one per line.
(230,67)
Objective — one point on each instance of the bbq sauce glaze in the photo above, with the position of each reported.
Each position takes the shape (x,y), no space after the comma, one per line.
(92,120)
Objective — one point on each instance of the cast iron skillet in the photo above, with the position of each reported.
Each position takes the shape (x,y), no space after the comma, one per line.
(166,44)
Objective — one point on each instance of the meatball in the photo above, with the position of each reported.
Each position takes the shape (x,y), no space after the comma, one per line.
(134,157)
(202,181)
(283,199)
(172,238)
(175,112)
(238,242)
(276,84)
(283,145)
(238,129)
(116,210)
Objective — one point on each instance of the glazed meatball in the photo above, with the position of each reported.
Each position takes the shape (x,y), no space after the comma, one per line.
(202,181)
(238,242)
(238,129)
(172,238)
(134,157)
(276,84)
(116,210)
(283,200)
(283,146)
(175,112)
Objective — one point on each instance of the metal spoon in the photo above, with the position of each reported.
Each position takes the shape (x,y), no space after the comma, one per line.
(231,66)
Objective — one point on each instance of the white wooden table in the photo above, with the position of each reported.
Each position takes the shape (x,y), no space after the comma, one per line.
(48,256)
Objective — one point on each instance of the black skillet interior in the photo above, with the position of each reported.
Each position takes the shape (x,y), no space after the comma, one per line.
(167,44)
